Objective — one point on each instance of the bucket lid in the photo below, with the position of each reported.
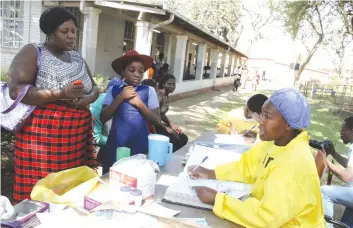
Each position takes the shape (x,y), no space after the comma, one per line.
(125,189)
(158,137)
(136,192)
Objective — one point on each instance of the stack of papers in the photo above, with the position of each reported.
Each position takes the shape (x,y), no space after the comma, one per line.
(181,192)
(215,156)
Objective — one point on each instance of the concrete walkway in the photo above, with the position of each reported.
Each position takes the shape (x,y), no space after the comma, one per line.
(202,112)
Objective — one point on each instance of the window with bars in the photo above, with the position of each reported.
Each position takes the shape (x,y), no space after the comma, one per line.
(160,43)
(129,36)
(12,23)
(77,13)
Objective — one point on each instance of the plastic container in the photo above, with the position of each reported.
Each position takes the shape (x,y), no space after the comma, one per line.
(124,194)
(136,196)
(160,150)
(122,152)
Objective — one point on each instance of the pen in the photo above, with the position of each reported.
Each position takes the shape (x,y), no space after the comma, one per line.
(203,160)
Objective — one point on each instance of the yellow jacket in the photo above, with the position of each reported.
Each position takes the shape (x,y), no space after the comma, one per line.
(236,117)
(286,187)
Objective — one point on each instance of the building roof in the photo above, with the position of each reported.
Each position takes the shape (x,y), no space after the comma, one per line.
(193,27)
(181,21)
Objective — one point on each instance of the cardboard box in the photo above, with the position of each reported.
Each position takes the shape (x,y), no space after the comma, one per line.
(98,196)
(143,178)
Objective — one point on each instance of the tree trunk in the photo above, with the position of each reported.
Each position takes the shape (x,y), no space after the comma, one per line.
(308,58)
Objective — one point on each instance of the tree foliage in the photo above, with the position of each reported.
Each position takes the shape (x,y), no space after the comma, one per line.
(316,23)
(260,17)
(220,17)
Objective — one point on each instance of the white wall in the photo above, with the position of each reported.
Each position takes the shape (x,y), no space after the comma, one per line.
(110,43)
(6,56)
(190,85)
(172,53)
(32,12)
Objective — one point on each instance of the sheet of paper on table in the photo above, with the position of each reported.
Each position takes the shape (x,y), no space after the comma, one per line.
(201,221)
(181,191)
(106,218)
(158,210)
(56,207)
(215,156)
(230,139)
(70,219)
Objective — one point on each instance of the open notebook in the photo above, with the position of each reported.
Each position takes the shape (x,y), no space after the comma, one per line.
(181,192)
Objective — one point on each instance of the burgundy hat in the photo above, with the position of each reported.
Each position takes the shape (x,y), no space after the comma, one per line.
(128,56)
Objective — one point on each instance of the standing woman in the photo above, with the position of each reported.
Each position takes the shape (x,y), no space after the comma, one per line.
(177,137)
(58,135)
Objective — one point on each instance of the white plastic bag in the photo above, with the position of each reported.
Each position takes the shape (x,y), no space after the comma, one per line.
(135,171)
(6,209)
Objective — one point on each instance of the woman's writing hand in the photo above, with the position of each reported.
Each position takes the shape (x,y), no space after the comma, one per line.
(73,92)
(128,93)
(201,173)
(232,131)
(206,195)
(249,134)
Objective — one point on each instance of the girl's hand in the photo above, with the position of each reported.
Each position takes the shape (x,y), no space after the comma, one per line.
(135,101)
(128,93)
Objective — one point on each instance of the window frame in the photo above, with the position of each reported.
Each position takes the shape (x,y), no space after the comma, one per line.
(129,36)
(12,13)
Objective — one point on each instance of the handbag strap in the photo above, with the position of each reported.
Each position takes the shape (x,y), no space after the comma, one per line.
(25,89)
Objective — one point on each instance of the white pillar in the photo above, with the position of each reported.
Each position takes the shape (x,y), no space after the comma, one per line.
(223,63)
(236,62)
(31,31)
(188,45)
(154,46)
(230,65)
(179,58)
(167,47)
(143,37)
(200,61)
(214,60)
(89,39)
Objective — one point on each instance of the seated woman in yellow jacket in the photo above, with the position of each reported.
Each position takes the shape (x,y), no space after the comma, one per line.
(281,168)
(237,122)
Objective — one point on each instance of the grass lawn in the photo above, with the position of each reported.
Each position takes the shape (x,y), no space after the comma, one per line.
(327,124)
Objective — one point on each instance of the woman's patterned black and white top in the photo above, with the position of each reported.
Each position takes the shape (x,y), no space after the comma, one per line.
(55,73)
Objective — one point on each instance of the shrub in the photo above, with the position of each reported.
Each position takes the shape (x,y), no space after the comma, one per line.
(101,81)
(4,77)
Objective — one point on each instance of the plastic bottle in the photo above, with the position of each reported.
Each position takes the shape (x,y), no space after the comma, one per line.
(125,193)
(136,196)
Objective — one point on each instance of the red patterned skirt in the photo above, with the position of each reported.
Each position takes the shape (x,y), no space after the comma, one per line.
(54,139)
